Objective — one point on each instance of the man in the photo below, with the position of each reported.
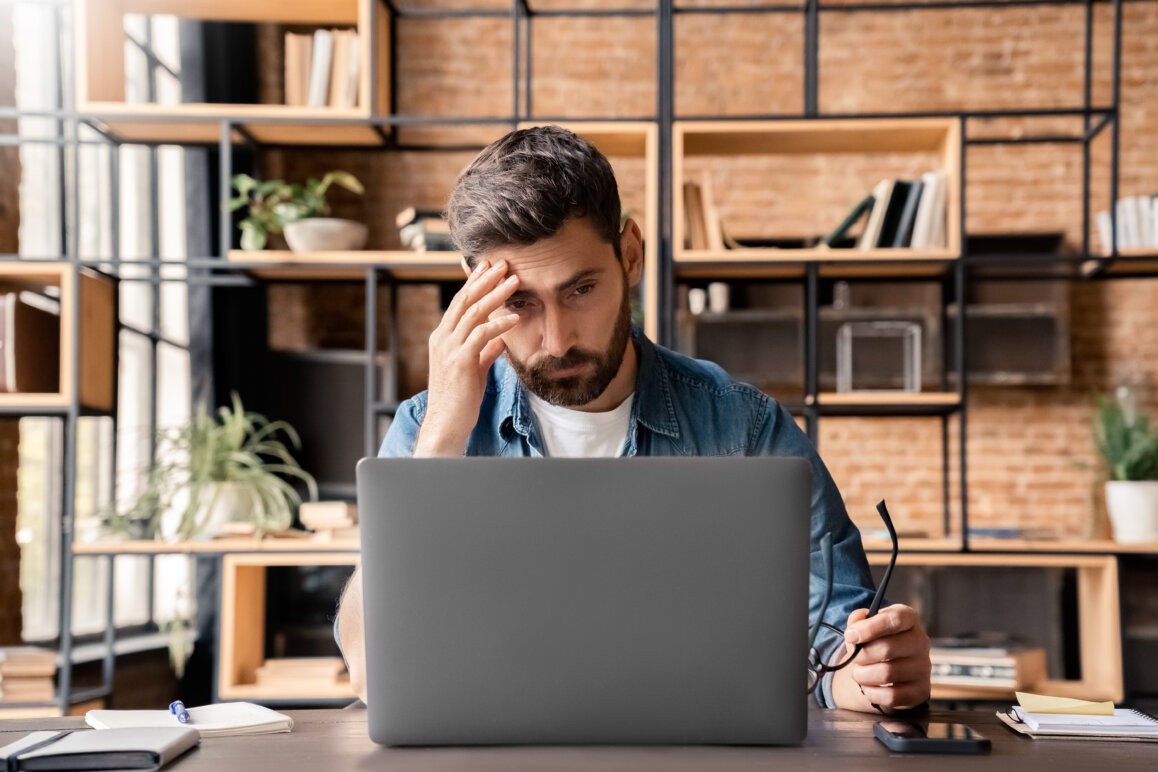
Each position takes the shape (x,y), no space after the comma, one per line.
(536,356)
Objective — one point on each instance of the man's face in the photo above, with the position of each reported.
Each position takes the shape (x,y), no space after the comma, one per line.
(574,309)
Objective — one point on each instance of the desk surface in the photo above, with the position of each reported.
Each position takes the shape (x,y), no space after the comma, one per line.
(837,740)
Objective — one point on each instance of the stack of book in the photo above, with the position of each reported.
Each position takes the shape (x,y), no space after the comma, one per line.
(301,674)
(1137,223)
(330,519)
(986,670)
(26,674)
(322,69)
(902,214)
(424,230)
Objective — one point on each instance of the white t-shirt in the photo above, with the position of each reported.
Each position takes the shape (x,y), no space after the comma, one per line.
(575,434)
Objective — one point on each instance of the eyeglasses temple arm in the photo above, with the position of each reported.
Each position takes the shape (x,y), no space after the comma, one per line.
(880,593)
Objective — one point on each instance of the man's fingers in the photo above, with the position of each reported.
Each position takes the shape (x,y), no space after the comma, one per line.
(890,621)
(478,284)
(909,669)
(907,644)
(486,334)
(491,352)
(898,696)
(481,310)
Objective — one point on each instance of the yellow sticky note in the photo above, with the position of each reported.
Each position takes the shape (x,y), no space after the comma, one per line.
(1038,703)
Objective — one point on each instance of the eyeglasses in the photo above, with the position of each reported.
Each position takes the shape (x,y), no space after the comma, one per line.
(816,667)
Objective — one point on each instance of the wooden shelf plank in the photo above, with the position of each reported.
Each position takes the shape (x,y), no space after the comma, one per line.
(413,266)
(816,136)
(302,546)
(927,398)
(790,263)
(283,11)
(201,123)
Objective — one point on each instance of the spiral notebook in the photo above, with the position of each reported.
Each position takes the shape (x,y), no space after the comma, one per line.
(1124,724)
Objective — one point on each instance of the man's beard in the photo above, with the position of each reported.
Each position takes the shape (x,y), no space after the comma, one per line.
(578,390)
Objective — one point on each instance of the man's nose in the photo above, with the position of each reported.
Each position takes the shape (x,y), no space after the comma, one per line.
(558,333)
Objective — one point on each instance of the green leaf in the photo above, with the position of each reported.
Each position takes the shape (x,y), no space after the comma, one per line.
(253,236)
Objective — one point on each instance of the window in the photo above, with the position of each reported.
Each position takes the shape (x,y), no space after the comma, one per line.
(154,373)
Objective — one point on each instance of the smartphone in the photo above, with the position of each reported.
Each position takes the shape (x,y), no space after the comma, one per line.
(911,737)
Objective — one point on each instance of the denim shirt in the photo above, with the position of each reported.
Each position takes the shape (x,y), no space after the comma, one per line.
(684,407)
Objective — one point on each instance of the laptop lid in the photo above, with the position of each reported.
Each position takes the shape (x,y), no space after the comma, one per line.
(573,601)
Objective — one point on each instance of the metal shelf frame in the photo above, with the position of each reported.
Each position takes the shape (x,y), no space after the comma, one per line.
(214,270)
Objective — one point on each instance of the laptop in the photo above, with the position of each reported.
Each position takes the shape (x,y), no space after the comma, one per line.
(585,601)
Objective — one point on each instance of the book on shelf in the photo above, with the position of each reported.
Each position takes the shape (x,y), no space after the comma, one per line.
(298,63)
(978,663)
(324,515)
(891,221)
(29,345)
(23,661)
(929,224)
(904,234)
(292,670)
(1137,223)
(841,231)
(695,221)
(424,230)
(872,230)
(344,70)
(321,59)
(713,230)
(26,690)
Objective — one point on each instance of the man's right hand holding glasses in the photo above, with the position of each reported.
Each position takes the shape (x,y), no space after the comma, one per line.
(892,669)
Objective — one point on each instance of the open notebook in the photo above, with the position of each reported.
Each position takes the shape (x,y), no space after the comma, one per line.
(224,719)
(1124,724)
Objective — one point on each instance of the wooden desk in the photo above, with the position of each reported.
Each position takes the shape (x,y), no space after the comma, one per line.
(837,740)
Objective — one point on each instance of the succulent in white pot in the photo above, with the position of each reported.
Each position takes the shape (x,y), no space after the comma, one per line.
(299,211)
(1129,447)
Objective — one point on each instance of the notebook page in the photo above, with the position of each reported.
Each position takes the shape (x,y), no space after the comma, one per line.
(222,719)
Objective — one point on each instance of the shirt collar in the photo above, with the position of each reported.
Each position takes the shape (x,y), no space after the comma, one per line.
(652,406)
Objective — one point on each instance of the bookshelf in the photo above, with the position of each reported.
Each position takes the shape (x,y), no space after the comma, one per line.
(87,329)
(939,139)
(100,91)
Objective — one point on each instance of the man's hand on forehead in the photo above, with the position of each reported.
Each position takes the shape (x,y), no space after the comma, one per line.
(463,347)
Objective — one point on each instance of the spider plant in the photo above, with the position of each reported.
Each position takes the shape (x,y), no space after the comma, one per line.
(233,446)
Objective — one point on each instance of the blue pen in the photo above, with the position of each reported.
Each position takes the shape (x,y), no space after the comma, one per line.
(177,708)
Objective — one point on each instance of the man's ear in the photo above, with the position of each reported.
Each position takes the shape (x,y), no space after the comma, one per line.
(631,252)
(465,266)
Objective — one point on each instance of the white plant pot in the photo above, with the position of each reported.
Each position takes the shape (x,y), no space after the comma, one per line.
(325,234)
(1133,509)
(227,503)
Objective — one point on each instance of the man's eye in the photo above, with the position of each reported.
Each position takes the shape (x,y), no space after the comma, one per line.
(584,289)
(516,304)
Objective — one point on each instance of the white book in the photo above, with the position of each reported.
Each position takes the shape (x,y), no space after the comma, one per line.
(1141,206)
(1126,225)
(927,209)
(320,71)
(223,719)
(1154,220)
(352,72)
(1105,230)
(872,231)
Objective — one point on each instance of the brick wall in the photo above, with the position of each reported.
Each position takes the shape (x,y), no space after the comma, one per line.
(1031,459)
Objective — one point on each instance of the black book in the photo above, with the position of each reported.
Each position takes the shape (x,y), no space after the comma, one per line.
(904,237)
(858,211)
(892,219)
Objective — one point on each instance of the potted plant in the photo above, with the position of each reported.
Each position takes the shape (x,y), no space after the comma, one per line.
(218,469)
(1130,448)
(298,210)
